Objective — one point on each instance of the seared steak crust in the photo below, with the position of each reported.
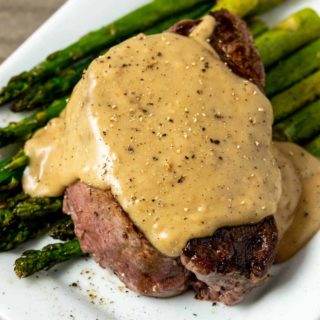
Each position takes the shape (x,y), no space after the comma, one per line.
(233,42)
(223,267)
(106,232)
(232,261)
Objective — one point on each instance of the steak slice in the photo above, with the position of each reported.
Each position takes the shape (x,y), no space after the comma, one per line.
(233,261)
(105,231)
(223,267)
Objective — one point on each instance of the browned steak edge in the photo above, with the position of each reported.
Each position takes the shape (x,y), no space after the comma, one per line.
(233,42)
(232,261)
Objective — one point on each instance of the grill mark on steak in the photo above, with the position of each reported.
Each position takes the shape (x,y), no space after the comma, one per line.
(223,267)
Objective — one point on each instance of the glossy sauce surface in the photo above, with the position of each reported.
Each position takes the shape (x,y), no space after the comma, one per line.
(183,143)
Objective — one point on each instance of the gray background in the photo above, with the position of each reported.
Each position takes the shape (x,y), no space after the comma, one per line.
(19,18)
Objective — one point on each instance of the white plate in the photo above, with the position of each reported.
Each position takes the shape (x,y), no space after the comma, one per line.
(292,294)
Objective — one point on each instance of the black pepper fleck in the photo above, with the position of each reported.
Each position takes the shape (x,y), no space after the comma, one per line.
(214,141)
(218,116)
(130,149)
(181,179)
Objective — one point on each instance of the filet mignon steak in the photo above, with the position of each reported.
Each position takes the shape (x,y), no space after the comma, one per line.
(223,267)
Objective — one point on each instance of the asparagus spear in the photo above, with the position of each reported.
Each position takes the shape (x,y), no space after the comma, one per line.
(37,207)
(63,229)
(293,69)
(30,208)
(11,202)
(257,26)
(266,5)
(10,181)
(35,260)
(23,129)
(14,162)
(314,147)
(241,8)
(289,35)
(11,170)
(296,97)
(22,231)
(133,23)
(247,7)
(301,126)
(55,87)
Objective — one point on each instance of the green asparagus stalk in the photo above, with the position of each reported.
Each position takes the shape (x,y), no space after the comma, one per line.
(63,229)
(301,126)
(296,97)
(257,26)
(247,7)
(289,35)
(314,147)
(23,129)
(14,162)
(12,182)
(11,202)
(54,88)
(33,261)
(133,23)
(241,8)
(293,69)
(30,208)
(11,170)
(266,5)
(21,232)
(23,218)
(8,178)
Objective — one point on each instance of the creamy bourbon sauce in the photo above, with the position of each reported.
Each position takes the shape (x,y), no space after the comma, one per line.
(304,218)
(183,143)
